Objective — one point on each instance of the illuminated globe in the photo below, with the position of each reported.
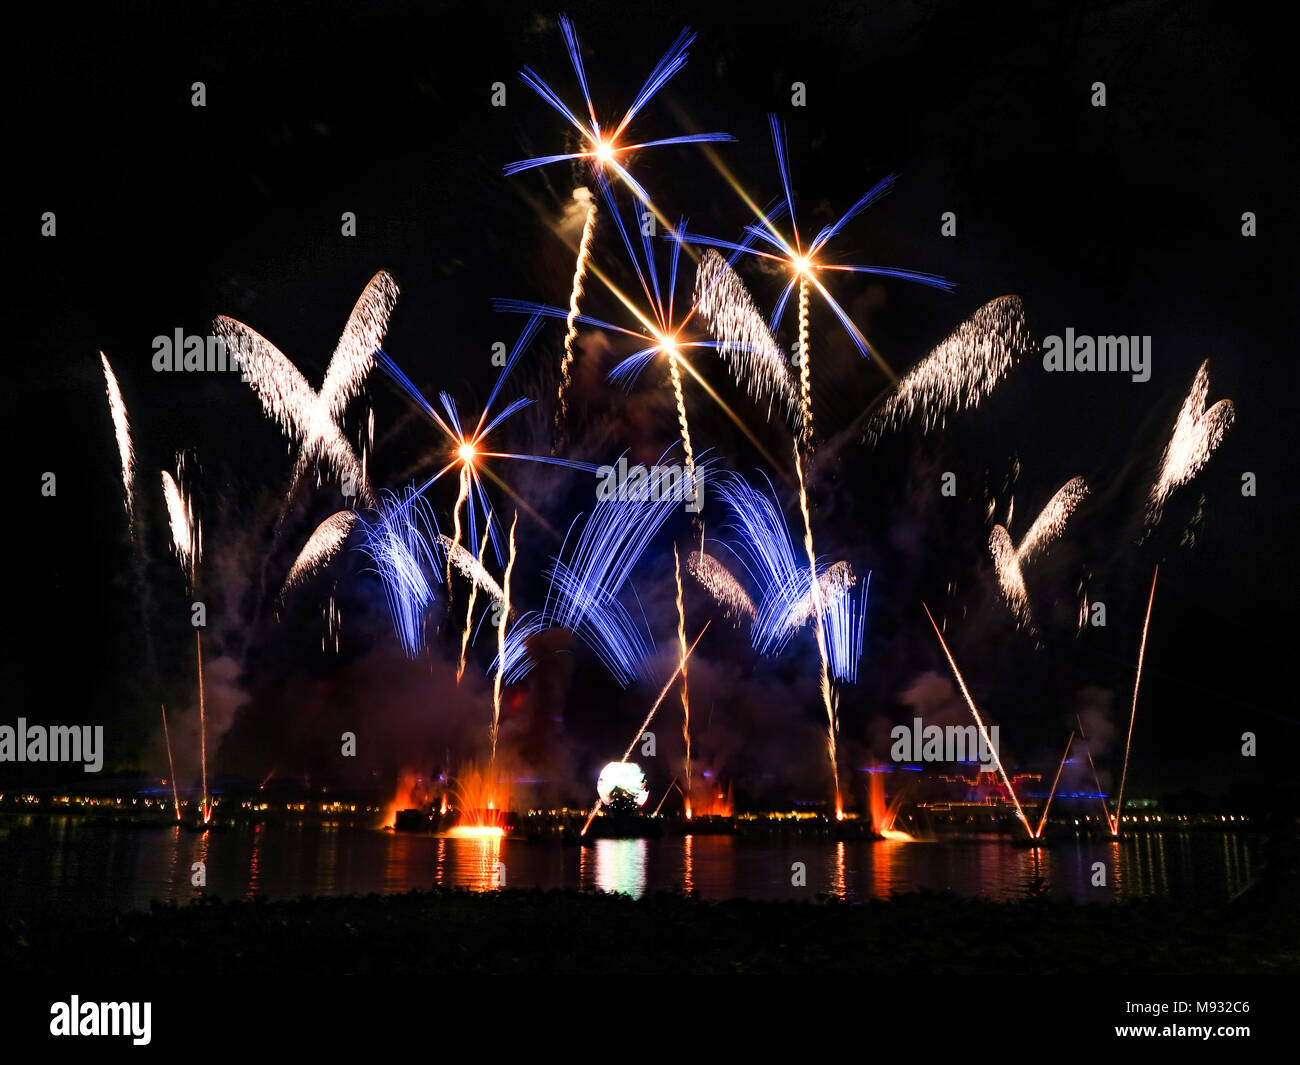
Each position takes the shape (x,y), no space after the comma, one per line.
(622,785)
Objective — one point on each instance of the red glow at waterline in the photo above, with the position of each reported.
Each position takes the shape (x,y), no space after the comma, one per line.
(479,814)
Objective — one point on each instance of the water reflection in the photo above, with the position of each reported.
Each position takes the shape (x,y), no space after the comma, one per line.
(621,865)
(75,861)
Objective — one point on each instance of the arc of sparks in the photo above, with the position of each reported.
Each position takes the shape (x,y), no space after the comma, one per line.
(1116,824)
(122,434)
(1008,560)
(744,339)
(320,547)
(1197,432)
(186,534)
(402,544)
(313,417)
(722,585)
(988,744)
(960,372)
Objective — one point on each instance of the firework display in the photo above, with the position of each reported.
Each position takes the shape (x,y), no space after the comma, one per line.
(505,526)
(426,543)
(763,525)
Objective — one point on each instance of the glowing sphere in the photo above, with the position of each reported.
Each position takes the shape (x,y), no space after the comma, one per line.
(622,781)
(604,151)
(803,264)
(466,452)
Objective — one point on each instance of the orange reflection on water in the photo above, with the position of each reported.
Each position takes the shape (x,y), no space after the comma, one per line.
(478,865)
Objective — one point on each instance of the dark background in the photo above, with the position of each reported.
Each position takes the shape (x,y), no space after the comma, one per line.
(1120,220)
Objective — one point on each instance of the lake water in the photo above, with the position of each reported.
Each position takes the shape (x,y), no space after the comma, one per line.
(81,862)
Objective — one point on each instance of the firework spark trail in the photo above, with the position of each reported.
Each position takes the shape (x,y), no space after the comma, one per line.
(1051,520)
(961,371)
(584,585)
(744,339)
(676,376)
(1196,434)
(1038,833)
(1137,680)
(583,590)
(502,622)
(186,536)
(402,551)
(1083,737)
(1010,578)
(681,666)
(846,619)
(512,659)
(835,581)
(571,322)
(720,583)
(469,607)
(453,545)
(122,431)
(659,332)
(313,417)
(471,568)
(171,766)
(187,539)
(1009,560)
(663,693)
(203,729)
(805,371)
(815,590)
(667,791)
(766,549)
(988,744)
(320,547)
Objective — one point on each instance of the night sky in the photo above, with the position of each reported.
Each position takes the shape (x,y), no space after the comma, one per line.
(1117,220)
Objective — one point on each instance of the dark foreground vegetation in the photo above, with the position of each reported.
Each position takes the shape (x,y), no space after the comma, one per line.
(569,932)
